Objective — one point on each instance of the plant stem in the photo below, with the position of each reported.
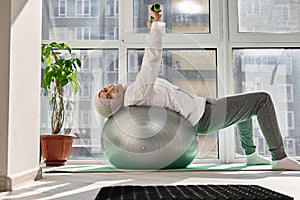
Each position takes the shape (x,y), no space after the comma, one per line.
(58,110)
(54,55)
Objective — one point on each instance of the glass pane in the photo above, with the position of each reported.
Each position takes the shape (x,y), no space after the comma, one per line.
(181,16)
(80,20)
(99,68)
(269,16)
(275,71)
(182,68)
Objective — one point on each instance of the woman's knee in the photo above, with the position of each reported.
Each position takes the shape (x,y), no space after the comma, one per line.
(264,95)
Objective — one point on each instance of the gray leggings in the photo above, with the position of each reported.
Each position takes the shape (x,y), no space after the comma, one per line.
(240,109)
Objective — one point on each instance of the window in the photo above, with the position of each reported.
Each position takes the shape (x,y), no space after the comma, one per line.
(83,33)
(83,8)
(268,16)
(264,57)
(262,146)
(103,63)
(211,48)
(85,119)
(85,125)
(182,68)
(62,8)
(285,93)
(111,33)
(77,20)
(290,146)
(58,8)
(253,7)
(85,90)
(287,120)
(133,61)
(270,70)
(195,77)
(86,61)
(259,85)
(282,14)
(112,8)
(112,63)
(285,66)
(182,16)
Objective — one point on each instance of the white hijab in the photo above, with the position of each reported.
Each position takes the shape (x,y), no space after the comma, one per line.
(108,107)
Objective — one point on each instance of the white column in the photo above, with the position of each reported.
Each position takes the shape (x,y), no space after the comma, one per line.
(20,30)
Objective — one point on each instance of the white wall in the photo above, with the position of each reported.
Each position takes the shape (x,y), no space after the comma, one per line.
(24,123)
(20,104)
(4,81)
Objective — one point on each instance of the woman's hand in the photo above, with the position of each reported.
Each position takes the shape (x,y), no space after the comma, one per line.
(157,17)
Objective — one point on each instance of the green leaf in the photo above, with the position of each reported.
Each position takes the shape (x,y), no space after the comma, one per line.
(47,70)
(62,46)
(53,97)
(47,80)
(78,61)
(68,48)
(54,45)
(68,72)
(64,82)
(48,61)
(75,83)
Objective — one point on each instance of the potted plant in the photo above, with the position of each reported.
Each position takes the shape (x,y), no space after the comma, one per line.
(61,70)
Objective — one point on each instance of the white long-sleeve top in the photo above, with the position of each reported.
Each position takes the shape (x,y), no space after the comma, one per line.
(149,90)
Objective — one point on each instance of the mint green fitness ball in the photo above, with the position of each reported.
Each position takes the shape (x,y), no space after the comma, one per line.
(148,138)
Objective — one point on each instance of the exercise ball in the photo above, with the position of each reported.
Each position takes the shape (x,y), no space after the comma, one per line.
(148,138)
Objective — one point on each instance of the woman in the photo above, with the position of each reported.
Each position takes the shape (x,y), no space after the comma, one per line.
(207,115)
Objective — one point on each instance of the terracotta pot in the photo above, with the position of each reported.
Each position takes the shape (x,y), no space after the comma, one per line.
(56,149)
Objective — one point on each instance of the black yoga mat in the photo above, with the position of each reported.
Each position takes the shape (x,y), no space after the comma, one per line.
(191,192)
